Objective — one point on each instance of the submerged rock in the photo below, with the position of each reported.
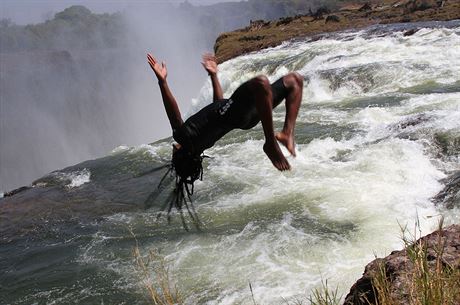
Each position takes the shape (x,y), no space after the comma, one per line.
(410,32)
(448,143)
(16,191)
(398,265)
(119,182)
(450,195)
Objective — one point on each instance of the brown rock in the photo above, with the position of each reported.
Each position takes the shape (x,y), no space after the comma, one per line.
(366,7)
(332,18)
(398,265)
(450,195)
(270,34)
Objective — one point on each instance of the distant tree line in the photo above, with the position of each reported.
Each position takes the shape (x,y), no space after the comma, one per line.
(227,16)
(75,27)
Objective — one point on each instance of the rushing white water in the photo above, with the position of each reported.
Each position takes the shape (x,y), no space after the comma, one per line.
(366,166)
(74,179)
(378,109)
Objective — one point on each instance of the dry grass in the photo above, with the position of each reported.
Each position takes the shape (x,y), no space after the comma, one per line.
(319,296)
(431,284)
(382,287)
(428,282)
(324,296)
(156,279)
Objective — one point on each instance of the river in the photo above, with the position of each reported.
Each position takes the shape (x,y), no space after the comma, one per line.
(378,130)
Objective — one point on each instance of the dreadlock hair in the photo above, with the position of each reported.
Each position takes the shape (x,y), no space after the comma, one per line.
(186,168)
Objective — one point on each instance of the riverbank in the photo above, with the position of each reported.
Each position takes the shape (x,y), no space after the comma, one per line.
(264,34)
(426,271)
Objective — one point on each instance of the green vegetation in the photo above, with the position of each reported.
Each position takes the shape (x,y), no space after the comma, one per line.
(75,27)
(324,296)
(78,28)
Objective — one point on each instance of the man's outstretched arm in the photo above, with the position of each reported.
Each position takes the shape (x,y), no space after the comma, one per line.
(169,102)
(210,65)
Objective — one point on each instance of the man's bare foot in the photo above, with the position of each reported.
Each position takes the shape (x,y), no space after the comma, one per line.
(287,141)
(273,152)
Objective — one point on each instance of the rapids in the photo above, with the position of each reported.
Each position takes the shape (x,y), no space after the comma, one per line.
(378,130)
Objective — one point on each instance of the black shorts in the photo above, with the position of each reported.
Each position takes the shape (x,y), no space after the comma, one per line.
(242,113)
(204,128)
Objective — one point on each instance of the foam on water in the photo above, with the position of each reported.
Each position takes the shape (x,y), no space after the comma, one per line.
(74,179)
(346,196)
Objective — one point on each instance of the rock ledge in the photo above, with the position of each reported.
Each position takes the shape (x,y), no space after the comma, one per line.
(262,34)
(398,265)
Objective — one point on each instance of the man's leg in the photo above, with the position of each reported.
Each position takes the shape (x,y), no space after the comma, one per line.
(294,84)
(260,87)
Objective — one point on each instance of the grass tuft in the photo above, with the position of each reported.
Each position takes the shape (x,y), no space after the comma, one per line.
(325,295)
(155,276)
(431,282)
(428,281)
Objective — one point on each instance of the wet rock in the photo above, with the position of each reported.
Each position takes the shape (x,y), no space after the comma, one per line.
(447,142)
(366,7)
(410,32)
(450,195)
(285,20)
(16,191)
(408,122)
(419,5)
(255,25)
(397,265)
(120,182)
(320,12)
(413,121)
(332,18)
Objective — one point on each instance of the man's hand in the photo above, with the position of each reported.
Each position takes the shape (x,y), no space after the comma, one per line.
(209,63)
(159,69)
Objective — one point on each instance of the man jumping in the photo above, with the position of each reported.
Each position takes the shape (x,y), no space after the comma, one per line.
(252,102)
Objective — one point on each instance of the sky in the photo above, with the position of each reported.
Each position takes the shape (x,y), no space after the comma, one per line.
(35,11)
